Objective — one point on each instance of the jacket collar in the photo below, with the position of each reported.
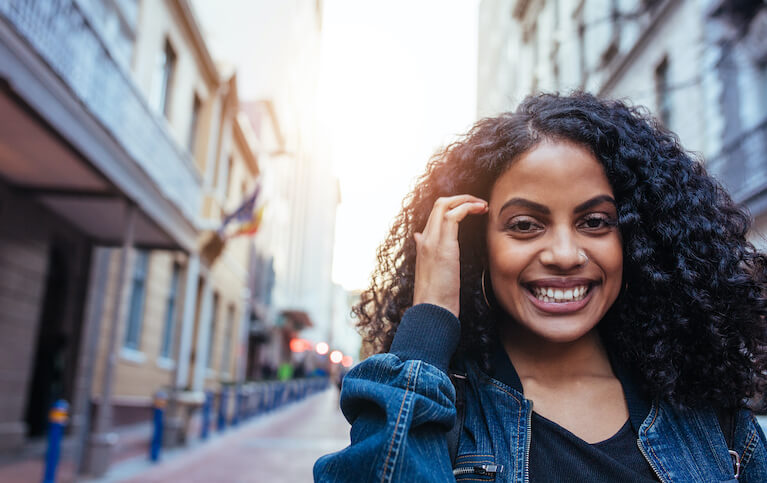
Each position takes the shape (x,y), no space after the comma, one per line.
(638,406)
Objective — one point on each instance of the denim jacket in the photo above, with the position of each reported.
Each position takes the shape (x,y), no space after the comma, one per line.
(402,404)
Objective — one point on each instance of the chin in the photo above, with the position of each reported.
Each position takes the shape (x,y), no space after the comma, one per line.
(559,332)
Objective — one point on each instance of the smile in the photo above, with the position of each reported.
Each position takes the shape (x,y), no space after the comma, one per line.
(560,296)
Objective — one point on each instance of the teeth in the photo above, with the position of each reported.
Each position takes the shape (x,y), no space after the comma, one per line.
(557,295)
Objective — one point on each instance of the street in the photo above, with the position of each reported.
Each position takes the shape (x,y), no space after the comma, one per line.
(281,446)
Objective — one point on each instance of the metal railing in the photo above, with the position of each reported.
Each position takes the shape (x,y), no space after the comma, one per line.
(62,35)
(741,165)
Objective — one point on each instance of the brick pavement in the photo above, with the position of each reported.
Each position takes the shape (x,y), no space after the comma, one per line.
(279,447)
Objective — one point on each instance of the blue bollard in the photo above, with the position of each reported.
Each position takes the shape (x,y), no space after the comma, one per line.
(160,400)
(222,400)
(57,419)
(206,414)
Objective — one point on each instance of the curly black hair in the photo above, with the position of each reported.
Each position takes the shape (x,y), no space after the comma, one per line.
(693,323)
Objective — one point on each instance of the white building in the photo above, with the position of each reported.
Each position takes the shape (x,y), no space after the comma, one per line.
(701,66)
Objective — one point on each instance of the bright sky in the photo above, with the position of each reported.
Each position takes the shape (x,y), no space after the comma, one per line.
(397,81)
(399,78)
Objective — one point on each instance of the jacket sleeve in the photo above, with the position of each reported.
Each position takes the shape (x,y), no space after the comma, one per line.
(400,406)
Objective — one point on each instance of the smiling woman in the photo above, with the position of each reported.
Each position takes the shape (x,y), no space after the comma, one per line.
(572,257)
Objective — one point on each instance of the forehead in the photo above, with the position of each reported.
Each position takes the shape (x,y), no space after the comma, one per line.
(553,172)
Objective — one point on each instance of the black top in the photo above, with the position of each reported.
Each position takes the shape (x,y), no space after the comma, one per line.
(556,454)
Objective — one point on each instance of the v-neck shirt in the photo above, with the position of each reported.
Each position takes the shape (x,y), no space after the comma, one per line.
(556,454)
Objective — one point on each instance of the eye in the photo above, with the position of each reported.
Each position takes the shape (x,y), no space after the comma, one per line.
(523,225)
(596,222)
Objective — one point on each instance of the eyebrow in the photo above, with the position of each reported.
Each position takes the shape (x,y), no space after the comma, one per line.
(532,205)
(594,202)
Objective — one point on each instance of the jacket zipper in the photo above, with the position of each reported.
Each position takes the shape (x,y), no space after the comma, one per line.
(527,443)
(652,465)
(485,470)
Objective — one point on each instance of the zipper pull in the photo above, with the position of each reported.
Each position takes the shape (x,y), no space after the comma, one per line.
(735,462)
(487,470)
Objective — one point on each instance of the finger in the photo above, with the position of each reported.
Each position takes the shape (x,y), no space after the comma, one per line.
(441,206)
(452,219)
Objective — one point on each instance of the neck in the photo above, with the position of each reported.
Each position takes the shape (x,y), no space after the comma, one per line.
(541,359)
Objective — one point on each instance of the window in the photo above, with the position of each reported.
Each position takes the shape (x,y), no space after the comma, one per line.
(212,333)
(136,307)
(166,350)
(163,77)
(530,37)
(663,92)
(227,352)
(191,139)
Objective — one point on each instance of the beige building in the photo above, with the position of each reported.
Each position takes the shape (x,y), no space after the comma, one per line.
(183,319)
(121,152)
(85,165)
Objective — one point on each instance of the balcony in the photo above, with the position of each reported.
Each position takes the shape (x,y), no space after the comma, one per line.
(60,33)
(742,167)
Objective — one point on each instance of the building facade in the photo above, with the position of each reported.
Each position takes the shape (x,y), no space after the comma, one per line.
(73,178)
(121,152)
(700,66)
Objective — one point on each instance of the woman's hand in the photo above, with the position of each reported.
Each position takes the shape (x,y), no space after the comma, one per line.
(437,264)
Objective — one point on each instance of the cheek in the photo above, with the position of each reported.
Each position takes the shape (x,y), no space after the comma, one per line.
(506,260)
(612,264)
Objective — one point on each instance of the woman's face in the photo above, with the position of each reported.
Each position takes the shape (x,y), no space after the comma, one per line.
(555,253)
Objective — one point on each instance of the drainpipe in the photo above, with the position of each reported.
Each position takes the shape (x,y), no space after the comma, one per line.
(174,427)
(203,334)
(99,277)
(104,439)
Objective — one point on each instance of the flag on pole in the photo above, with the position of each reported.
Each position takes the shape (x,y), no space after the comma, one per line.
(251,227)
(247,216)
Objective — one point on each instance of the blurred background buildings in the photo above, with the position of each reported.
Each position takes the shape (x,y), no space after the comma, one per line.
(160,231)
(132,180)
(699,65)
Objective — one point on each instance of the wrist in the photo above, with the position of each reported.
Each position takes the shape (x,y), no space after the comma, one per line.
(427,332)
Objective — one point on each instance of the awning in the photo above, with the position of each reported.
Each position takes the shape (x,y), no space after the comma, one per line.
(296,319)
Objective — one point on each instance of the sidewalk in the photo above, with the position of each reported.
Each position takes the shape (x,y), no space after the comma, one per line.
(281,446)
(27,464)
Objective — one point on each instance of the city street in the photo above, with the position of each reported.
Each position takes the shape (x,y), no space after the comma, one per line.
(281,446)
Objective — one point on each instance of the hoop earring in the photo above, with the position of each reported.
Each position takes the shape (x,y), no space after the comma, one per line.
(484,295)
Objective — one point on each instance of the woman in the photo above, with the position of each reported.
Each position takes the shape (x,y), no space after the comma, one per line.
(594,289)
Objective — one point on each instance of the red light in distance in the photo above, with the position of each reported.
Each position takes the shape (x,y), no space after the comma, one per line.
(347,361)
(299,345)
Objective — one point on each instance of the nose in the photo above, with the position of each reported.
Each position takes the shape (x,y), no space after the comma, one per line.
(563,252)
